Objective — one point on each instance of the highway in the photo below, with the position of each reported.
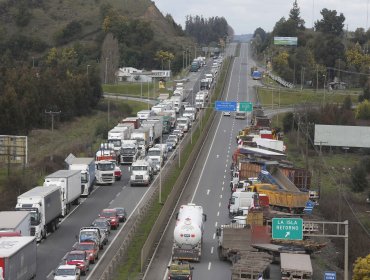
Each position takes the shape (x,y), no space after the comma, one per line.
(208,184)
(50,252)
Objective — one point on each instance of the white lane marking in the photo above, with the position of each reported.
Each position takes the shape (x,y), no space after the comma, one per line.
(217,156)
(220,195)
(212,250)
(118,194)
(225,170)
(225,165)
(222,188)
(223,183)
(209,265)
(219,204)
(216,223)
(218,213)
(208,192)
(111,201)
(224,176)
(214,235)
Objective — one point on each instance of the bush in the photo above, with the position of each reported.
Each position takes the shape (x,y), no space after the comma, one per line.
(358,176)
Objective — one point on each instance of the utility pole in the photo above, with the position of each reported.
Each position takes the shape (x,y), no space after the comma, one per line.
(106,70)
(52,114)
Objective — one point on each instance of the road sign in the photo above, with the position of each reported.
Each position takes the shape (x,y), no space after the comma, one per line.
(330,275)
(245,106)
(287,228)
(225,105)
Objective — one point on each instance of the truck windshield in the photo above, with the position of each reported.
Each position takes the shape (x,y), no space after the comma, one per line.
(154,153)
(86,236)
(128,151)
(115,142)
(84,178)
(139,168)
(105,166)
(182,121)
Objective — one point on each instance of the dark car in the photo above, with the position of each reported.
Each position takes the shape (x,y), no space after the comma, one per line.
(80,259)
(122,215)
(112,216)
(103,224)
(91,248)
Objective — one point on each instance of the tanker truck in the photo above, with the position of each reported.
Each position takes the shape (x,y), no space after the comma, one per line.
(188,233)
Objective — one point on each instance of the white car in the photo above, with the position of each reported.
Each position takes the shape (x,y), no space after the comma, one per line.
(227,113)
(67,272)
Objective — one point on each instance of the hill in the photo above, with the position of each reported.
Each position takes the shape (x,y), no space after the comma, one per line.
(28,29)
(243,37)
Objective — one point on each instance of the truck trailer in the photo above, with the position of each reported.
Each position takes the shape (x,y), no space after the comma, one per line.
(87,168)
(45,205)
(18,258)
(15,221)
(188,233)
(70,185)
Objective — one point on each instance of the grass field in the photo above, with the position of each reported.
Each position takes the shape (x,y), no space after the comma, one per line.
(286,97)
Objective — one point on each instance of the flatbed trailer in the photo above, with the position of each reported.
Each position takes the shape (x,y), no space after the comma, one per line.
(295,266)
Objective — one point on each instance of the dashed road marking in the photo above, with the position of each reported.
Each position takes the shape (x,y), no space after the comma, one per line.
(216,223)
(222,188)
(220,195)
(214,235)
(217,156)
(208,192)
(218,213)
(219,204)
(209,265)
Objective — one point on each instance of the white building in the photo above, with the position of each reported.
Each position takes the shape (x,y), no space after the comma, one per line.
(131,74)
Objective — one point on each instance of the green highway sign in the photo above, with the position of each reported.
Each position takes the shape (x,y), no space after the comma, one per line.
(287,228)
(245,106)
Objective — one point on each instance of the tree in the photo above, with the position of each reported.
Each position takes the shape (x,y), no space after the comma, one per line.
(294,16)
(361,269)
(330,23)
(363,110)
(358,177)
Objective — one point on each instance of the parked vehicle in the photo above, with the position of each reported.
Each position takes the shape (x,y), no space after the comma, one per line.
(87,169)
(80,259)
(103,224)
(242,200)
(112,215)
(15,221)
(188,233)
(105,172)
(18,257)
(67,272)
(91,248)
(45,205)
(141,173)
(122,215)
(129,152)
(69,182)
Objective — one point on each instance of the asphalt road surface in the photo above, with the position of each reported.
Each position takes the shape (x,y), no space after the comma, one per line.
(208,184)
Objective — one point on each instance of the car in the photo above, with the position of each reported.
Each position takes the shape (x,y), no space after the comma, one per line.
(227,113)
(67,272)
(112,215)
(178,132)
(91,248)
(170,144)
(80,259)
(103,224)
(121,214)
(173,137)
(117,172)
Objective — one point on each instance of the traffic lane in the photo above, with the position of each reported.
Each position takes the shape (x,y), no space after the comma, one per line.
(51,251)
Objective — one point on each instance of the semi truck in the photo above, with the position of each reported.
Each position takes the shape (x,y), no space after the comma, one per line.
(86,166)
(134,120)
(45,205)
(141,173)
(69,182)
(104,173)
(141,135)
(200,100)
(118,134)
(155,132)
(188,233)
(129,152)
(240,201)
(15,221)
(18,258)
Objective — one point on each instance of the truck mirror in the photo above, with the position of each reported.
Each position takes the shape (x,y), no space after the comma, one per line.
(205,217)
(218,232)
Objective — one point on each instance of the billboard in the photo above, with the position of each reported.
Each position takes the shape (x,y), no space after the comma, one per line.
(342,136)
(13,149)
(286,41)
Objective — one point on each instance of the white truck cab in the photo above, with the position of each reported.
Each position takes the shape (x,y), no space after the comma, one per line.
(141,173)
(183,123)
(104,173)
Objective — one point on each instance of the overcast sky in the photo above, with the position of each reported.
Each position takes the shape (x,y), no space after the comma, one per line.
(245,16)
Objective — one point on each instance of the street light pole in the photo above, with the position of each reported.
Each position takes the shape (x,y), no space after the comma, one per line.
(87,70)
(324,88)
(106,69)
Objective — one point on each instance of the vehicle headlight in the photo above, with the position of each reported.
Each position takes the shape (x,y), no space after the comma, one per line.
(91,254)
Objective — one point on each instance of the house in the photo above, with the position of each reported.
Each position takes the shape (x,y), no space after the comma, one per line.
(131,74)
